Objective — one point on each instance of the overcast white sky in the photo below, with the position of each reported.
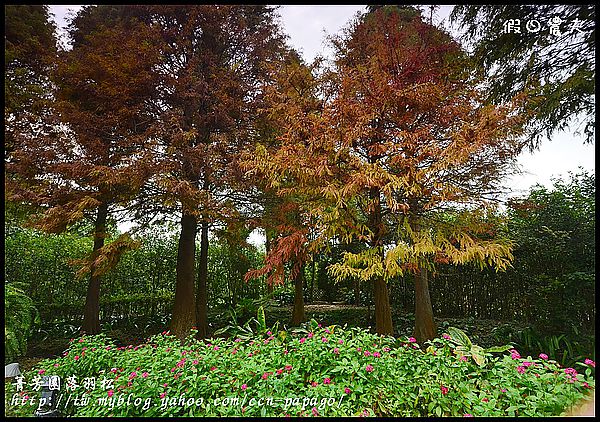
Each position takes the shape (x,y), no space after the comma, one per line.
(307,27)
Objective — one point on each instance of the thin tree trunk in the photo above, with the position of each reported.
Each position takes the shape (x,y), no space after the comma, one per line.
(91,313)
(383,311)
(312,280)
(357,292)
(184,308)
(298,315)
(268,237)
(425,328)
(202,291)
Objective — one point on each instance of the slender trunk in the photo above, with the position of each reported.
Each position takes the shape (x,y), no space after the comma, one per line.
(357,292)
(298,315)
(91,314)
(312,280)
(268,237)
(383,311)
(425,328)
(184,307)
(202,291)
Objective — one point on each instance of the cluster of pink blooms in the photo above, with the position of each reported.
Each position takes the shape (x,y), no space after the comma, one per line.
(369,368)
(446,336)
(327,381)
(514,354)
(590,362)
(444,390)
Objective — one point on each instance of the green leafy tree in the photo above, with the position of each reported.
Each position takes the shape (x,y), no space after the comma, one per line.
(558,68)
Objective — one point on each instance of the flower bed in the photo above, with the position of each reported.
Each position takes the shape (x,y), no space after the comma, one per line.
(319,371)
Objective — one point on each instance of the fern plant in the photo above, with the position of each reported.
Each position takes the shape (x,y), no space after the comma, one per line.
(20,317)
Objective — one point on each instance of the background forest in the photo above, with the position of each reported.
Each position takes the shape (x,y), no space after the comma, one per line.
(140,160)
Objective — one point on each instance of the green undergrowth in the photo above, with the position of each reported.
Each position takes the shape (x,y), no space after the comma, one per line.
(310,371)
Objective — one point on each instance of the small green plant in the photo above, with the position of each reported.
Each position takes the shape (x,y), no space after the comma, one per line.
(21,317)
(464,347)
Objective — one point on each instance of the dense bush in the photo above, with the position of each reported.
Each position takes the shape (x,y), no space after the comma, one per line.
(325,371)
(20,317)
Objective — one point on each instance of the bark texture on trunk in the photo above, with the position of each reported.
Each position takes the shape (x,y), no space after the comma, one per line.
(425,328)
(298,315)
(383,310)
(91,313)
(184,307)
(202,290)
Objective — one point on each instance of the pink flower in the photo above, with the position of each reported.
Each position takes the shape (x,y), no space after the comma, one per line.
(265,375)
(216,348)
(76,358)
(162,395)
(81,340)
(485,400)
(244,386)
(444,390)
(386,349)
(571,371)
(467,415)
(327,331)
(314,411)
(347,390)
(310,335)
(302,340)
(110,393)
(234,351)
(145,375)
(464,358)
(527,364)
(324,340)
(41,371)
(521,369)
(279,371)
(367,353)
(327,381)
(56,365)
(269,333)
(412,340)
(358,349)
(586,385)
(336,351)
(515,354)
(503,390)
(288,367)
(376,354)
(113,370)
(249,355)
(543,356)
(195,362)
(314,383)
(213,368)
(590,362)
(369,368)
(133,375)
(237,340)
(129,384)
(165,385)
(446,336)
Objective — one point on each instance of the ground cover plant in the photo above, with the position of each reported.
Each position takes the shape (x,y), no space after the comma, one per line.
(312,370)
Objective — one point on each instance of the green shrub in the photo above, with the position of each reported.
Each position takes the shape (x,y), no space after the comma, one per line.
(20,317)
(313,370)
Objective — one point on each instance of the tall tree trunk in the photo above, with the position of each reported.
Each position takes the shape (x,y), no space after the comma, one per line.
(383,310)
(184,308)
(298,315)
(91,313)
(202,290)
(425,328)
(312,280)
(268,238)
